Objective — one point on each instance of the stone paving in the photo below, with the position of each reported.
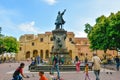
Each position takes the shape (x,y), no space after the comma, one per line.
(7,69)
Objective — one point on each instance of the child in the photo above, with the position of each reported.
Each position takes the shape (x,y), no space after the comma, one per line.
(42,76)
(86,72)
(18,74)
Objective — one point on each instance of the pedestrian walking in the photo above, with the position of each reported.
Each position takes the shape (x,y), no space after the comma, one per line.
(96,65)
(56,65)
(78,65)
(117,60)
(86,72)
(86,60)
(76,59)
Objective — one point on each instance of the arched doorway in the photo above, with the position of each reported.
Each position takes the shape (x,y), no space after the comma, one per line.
(35,53)
(27,55)
(47,54)
(41,54)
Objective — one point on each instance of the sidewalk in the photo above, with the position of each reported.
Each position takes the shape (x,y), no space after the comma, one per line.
(73,76)
(7,69)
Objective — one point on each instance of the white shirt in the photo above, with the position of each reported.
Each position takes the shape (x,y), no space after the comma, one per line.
(96,63)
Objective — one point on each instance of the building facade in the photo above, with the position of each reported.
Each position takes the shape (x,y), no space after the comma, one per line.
(33,45)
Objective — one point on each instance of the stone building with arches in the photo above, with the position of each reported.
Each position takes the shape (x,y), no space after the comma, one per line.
(33,45)
(41,44)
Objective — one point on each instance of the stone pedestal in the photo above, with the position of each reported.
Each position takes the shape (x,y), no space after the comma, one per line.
(59,37)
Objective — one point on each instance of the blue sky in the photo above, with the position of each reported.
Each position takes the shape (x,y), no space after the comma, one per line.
(19,17)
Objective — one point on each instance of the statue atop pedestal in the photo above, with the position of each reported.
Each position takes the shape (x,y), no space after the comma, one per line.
(59,20)
(59,34)
(59,39)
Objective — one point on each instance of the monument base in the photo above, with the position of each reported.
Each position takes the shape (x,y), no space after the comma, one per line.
(47,68)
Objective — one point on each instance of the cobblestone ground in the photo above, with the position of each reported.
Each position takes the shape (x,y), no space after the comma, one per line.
(6,70)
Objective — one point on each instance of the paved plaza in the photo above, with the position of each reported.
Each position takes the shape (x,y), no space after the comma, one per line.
(7,69)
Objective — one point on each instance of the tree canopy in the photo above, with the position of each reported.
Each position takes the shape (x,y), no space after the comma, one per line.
(8,44)
(105,34)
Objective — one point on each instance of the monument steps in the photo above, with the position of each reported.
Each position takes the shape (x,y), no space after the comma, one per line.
(47,68)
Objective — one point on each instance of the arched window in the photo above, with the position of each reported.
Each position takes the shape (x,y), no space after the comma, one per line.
(41,39)
(47,54)
(35,53)
(33,43)
(27,55)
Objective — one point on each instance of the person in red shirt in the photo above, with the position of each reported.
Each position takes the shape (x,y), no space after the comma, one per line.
(18,72)
(42,76)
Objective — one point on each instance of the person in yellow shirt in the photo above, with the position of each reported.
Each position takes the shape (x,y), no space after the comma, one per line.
(86,72)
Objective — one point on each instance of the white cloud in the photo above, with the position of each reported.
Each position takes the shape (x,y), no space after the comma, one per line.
(80,34)
(28,27)
(50,2)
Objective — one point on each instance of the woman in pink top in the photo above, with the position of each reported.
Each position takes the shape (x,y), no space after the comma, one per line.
(78,65)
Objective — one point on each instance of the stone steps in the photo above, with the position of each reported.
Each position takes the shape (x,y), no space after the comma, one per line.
(47,68)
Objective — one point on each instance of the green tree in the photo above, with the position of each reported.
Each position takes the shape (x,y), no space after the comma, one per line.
(2,48)
(11,44)
(88,28)
(1,45)
(105,34)
(98,34)
(114,31)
